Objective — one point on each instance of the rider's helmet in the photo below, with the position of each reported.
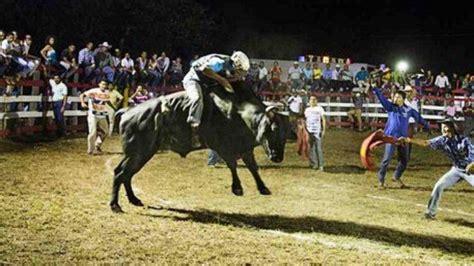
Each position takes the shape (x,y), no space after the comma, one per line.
(240,61)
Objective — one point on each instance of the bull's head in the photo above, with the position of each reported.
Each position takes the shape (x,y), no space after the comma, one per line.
(272,133)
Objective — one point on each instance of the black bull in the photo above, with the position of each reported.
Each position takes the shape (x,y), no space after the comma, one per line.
(161,124)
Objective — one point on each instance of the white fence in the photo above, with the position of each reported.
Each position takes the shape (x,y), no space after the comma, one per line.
(336,109)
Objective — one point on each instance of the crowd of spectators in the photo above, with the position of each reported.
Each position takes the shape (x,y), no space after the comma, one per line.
(93,62)
(145,74)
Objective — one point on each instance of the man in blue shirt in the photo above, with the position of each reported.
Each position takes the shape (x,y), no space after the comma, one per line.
(396,126)
(460,152)
(208,69)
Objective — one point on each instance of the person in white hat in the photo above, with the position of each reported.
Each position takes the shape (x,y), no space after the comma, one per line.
(206,70)
(412,102)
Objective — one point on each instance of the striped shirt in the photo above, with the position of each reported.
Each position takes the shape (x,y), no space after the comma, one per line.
(98,100)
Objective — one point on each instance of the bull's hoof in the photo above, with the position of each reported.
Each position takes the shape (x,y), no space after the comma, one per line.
(238,191)
(136,202)
(116,208)
(265,191)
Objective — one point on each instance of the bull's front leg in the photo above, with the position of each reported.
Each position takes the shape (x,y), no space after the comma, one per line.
(249,160)
(236,185)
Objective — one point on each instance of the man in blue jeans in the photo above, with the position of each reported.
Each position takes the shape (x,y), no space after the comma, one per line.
(59,91)
(396,126)
(460,152)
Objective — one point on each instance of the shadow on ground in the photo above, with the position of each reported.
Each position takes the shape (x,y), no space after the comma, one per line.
(312,224)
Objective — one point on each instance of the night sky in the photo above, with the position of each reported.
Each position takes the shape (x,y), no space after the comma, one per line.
(436,36)
(426,34)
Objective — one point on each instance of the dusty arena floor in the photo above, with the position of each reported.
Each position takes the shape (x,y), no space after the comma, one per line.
(54,209)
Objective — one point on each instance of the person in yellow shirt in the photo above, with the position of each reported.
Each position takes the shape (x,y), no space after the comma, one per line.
(317,76)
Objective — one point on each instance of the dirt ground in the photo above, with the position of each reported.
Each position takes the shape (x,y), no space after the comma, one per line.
(54,209)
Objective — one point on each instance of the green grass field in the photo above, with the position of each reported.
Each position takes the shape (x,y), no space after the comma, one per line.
(54,209)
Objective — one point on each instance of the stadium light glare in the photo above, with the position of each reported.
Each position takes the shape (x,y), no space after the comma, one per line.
(402,66)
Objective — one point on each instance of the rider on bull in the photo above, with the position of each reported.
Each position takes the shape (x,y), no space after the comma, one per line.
(208,69)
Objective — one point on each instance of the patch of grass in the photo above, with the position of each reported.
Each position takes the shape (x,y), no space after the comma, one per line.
(54,202)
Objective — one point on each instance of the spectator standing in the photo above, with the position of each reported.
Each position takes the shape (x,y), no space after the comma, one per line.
(59,91)
(316,126)
(262,76)
(441,84)
(295,76)
(275,75)
(96,116)
(114,104)
(468,111)
(412,102)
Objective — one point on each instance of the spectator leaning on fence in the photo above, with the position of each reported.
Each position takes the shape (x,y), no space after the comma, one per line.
(316,126)
(96,116)
(59,91)
(358,101)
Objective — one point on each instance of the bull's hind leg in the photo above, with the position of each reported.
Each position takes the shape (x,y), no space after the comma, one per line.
(251,164)
(236,185)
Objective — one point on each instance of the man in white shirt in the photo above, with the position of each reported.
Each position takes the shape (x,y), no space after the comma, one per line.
(295,76)
(316,127)
(441,83)
(412,102)
(59,91)
(262,76)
